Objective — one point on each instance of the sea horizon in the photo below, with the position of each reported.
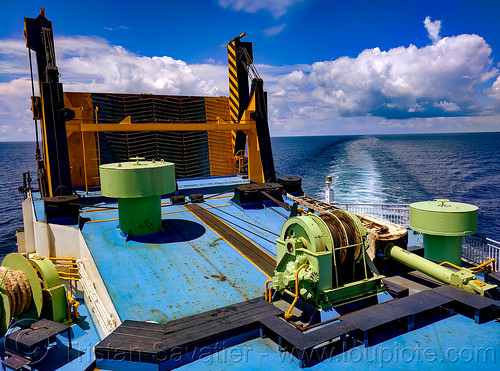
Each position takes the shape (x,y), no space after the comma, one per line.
(381,168)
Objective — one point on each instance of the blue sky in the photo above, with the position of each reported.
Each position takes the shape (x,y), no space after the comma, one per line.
(330,67)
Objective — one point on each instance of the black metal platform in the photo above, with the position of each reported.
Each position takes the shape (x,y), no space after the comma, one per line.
(23,345)
(395,290)
(296,341)
(419,303)
(466,299)
(159,343)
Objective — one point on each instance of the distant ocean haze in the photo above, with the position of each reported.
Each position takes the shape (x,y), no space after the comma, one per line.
(367,169)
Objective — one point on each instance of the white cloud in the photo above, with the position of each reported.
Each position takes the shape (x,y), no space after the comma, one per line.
(294,81)
(115,27)
(11,47)
(494,91)
(433,28)
(14,57)
(447,106)
(16,118)
(436,80)
(216,75)
(273,31)
(93,64)
(276,7)
(433,88)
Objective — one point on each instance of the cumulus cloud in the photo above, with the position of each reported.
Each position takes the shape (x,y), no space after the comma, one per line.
(433,28)
(276,7)
(432,88)
(494,91)
(93,64)
(436,80)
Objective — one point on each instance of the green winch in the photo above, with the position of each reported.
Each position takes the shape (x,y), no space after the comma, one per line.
(323,257)
(30,289)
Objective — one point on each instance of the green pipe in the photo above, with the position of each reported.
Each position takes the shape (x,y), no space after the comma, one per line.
(421,264)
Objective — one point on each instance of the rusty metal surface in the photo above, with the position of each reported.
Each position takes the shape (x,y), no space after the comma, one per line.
(189,270)
(258,257)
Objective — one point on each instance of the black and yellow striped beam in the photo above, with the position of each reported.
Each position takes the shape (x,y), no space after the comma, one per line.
(238,53)
(234,99)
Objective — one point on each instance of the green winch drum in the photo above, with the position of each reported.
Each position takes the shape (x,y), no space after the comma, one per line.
(443,223)
(138,186)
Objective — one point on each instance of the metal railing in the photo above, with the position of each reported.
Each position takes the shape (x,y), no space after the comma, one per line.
(475,249)
(105,319)
(395,213)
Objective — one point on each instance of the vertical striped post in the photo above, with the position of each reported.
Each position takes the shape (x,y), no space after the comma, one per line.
(234,100)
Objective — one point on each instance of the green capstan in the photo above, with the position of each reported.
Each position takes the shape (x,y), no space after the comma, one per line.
(327,252)
(138,185)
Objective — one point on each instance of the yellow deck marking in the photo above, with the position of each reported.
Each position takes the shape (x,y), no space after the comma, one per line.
(103,220)
(183,211)
(97,210)
(167,212)
(230,244)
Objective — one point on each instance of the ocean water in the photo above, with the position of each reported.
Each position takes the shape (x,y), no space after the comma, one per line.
(15,158)
(371,169)
(400,169)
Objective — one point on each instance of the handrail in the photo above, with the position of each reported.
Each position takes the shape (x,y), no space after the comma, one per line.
(476,249)
(105,319)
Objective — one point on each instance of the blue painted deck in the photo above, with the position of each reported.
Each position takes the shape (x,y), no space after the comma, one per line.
(191,270)
(450,344)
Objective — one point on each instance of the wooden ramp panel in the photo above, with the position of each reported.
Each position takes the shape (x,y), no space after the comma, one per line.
(371,318)
(132,341)
(395,290)
(304,342)
(416,304)
(14,361)
(377,315)
(420,302)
